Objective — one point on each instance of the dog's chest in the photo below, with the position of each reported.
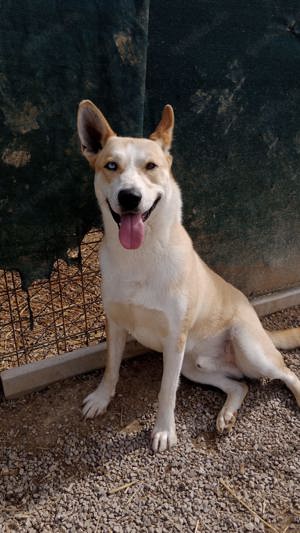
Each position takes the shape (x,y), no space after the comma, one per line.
(136,296)
(149,326)
(138,307)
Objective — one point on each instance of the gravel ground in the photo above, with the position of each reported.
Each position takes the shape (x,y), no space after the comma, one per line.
(61,473)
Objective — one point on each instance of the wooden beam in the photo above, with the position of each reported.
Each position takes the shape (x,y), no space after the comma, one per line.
(270,303)
(21,380)
(27,378)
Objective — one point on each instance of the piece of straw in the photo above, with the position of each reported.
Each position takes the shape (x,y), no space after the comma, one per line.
(242,502)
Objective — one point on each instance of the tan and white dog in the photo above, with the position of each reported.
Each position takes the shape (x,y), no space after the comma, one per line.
(157,288)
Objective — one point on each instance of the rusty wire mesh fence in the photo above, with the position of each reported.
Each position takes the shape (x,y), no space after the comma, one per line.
(55,315)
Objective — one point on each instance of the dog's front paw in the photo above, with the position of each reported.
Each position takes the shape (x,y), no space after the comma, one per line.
(95,403)
(163,440)
(226,420)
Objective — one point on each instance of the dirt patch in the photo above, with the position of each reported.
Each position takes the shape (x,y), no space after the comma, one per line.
(60,473)
(21,120)
(16,158)
(126,48)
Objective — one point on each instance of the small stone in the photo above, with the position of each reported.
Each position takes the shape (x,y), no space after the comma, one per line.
(242,469)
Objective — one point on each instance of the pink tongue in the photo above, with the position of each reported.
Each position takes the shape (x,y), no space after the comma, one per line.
(131,232)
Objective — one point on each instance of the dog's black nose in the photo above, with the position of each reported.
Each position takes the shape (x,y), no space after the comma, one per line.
(129,198)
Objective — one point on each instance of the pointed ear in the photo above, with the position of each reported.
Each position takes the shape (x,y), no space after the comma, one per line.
(93,130)
(164,131)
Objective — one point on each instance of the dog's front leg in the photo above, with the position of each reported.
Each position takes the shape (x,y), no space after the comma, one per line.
(96,403)
(164,432)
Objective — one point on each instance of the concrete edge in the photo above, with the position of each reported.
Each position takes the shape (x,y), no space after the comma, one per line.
(27,378)
(17,382)
(270,303)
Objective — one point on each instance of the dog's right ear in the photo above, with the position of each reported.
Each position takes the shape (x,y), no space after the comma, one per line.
(93,130)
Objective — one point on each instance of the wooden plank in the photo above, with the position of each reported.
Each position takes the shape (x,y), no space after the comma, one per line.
(27,378)
(270,303)
(34,376)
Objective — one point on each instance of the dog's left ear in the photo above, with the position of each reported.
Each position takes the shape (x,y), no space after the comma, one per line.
(164,131)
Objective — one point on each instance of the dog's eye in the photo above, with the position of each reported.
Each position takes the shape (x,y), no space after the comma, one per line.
(150,166)
(111,165)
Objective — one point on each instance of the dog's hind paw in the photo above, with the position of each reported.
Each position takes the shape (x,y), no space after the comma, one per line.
(95,404)
(163,440)
(226,420)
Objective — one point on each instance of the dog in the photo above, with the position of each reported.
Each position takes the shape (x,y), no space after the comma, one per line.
(156,288)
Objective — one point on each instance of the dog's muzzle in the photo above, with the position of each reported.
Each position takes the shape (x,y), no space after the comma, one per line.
(131,225)
(145,215)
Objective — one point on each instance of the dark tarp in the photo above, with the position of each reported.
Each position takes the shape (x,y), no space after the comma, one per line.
(52,55)
(231,71)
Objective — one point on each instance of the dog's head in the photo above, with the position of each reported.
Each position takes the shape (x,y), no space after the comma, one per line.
(132,176)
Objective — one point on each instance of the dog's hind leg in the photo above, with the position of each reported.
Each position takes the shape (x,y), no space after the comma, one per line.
(257,357)
(235,390)
(96,403)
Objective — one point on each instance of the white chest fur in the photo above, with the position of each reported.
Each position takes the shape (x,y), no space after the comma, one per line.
(137,297)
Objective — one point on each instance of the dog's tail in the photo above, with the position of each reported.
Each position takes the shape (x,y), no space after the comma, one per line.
(286,339)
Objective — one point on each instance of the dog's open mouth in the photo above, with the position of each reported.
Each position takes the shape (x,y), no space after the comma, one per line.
(131,226)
